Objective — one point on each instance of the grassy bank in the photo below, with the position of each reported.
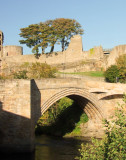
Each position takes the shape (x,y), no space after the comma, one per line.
(90,73)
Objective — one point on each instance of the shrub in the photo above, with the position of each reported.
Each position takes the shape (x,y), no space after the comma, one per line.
(111,74)
(1,77)
(117,72)
(35,71)
(42,70)
(20,75)
(122,75)
(121,61)
(121,64)
(113,145)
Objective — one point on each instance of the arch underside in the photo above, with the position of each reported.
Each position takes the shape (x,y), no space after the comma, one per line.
(85,99)
(112,96)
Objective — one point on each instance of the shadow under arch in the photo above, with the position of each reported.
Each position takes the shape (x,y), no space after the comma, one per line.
(88,101)
(112,96)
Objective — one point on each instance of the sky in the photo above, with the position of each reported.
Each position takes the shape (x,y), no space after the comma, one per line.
(103,21)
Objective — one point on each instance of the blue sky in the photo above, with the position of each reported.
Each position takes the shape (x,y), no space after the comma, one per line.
(103,21)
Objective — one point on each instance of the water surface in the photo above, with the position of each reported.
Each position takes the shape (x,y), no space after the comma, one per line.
(52,148)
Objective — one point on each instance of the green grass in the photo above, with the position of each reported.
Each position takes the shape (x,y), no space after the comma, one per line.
(77,130)
(90,73)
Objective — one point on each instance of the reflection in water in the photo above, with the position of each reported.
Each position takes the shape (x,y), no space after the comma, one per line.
(56,148)
(18,157)
(52,148)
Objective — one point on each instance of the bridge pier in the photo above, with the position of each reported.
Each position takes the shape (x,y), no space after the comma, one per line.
(16,123)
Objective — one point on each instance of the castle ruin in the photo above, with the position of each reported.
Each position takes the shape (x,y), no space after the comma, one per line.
(9,50)
(73,59)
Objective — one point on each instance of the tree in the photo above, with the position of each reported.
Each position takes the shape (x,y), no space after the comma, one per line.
(49,33)
(36,36)
(30,34)
(45,34)
(113,145)
(52,35)
(65,29)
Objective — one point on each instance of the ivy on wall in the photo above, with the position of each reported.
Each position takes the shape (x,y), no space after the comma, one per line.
(92,51)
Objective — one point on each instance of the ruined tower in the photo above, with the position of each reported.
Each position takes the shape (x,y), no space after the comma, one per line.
(1,43)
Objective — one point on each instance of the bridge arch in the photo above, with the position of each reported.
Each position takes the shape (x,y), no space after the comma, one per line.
(85,99)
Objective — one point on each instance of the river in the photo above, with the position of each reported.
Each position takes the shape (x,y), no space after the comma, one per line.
(52,148)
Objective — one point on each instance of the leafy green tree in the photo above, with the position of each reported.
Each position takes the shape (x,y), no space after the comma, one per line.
(44,32)
(49,33)
(111,74)
(52,36)
(30,34)
(113,145)
(35,36)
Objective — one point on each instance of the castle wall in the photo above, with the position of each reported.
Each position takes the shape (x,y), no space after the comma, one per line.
(12,50)
(94,53)
(73,54)
(115,53)
(73,59)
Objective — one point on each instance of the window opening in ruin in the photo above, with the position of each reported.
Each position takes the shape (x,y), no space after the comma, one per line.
(106,53)
(0,42)
(0,36)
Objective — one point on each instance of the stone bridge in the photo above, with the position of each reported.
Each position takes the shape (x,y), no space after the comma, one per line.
(22,102)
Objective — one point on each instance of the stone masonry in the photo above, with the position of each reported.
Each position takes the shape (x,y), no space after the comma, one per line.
(22,102)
